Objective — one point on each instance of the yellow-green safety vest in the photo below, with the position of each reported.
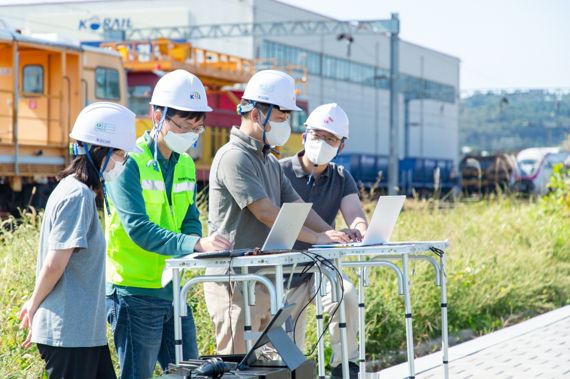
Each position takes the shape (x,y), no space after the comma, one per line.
(127,263)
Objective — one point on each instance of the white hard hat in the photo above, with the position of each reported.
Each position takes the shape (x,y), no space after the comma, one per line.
(272,87)
(180,90)
(329,117)
(106,124)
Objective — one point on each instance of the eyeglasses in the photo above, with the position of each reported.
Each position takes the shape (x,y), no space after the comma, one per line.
(197,130)
(122,155)
(333,141)
(275,107)
(287,112)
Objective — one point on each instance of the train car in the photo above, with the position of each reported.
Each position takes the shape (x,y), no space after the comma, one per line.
(422,176)
(488,174)
(43,86)
(535,168)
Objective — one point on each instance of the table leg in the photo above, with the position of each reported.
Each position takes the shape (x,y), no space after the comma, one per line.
(177,321)
(320,326)
(444,337)
(361,323)
(279,285)
(342,328)
(408,315)
(246,312)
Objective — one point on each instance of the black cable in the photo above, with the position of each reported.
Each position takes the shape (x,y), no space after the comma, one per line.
(213,367)
(440,254)
(330,265)
(312,297)
(437,251)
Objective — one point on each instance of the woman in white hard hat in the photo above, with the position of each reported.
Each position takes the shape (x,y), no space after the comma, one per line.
(66,313)
(153,217)
(331,189)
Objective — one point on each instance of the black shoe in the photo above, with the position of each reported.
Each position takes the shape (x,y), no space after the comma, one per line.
(352,370)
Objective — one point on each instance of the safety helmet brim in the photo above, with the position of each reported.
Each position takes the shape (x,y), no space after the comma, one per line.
(106,124)
(272,87)
(184,109)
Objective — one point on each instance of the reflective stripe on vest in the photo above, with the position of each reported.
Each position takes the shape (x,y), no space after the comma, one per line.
(154,185)
(186,186)
(127,263)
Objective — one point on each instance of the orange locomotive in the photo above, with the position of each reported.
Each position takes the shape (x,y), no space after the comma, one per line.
(43,86)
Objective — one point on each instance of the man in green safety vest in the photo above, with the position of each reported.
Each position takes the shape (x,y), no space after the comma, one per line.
(152,216)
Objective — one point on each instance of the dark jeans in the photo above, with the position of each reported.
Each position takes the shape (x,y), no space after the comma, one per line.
(77,362)
(143,331)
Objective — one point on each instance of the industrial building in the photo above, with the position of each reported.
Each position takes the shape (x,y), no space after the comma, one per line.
(352,69)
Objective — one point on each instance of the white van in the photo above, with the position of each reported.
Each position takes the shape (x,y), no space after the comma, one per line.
(535,167)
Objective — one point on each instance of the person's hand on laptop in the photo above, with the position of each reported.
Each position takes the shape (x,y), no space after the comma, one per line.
(353,234)
(213,242)
(332,236)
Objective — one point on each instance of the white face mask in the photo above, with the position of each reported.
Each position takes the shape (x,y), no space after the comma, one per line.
(180,142)
(279,133)
(319,152)
(115,172)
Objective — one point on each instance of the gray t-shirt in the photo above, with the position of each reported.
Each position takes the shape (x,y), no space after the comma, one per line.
(326,192)
(73,314)
(240,175)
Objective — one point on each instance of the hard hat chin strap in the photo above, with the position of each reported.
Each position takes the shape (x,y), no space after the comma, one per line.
(264,126)
(157,128)
(243,109)
(100,172)
(340,146)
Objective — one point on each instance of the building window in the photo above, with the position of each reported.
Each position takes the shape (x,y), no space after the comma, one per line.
(107,84)
(314,63)
(33,82)
(328,67)
(342,69)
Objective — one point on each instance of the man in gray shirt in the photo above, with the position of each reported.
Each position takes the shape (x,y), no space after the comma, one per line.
(247,187)
(330,188)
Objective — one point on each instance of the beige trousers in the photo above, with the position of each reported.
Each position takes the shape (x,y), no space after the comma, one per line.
(302,294)
(226,308)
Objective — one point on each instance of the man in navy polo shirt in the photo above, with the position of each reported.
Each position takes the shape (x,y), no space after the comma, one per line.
(330,188)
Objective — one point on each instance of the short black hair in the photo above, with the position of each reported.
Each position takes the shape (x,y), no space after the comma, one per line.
(186,115)
(263,107)
(85,171)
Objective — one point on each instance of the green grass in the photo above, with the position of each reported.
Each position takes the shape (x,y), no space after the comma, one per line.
(509,260)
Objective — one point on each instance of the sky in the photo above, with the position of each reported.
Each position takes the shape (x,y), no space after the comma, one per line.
(502,44)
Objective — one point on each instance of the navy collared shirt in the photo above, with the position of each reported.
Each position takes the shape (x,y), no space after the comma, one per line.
(325,192)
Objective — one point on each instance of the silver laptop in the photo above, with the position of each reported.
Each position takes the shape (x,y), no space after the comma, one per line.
(287,226)
(282,236)
(381,225)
